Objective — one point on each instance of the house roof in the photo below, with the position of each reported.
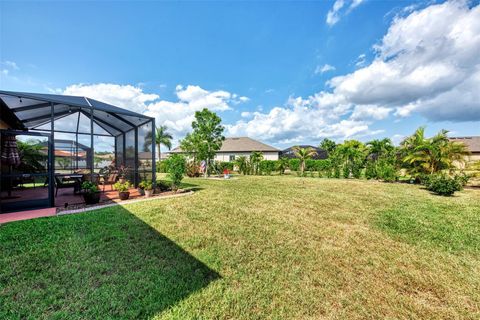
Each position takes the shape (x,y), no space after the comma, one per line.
(472,143)
(289,152)
(34,112)
(240,144)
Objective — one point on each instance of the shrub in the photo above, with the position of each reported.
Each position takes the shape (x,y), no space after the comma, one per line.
(122,186)
(163,185)
(146,185)
(443,184)
(281,164)
(176,167)
(294,164)
(370,170)
(386,171)
(311,165)
(226,165)
(267,166)
(193,170)
(161,166)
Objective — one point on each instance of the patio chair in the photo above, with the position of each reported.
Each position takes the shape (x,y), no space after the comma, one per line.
(59,184)
(110,180)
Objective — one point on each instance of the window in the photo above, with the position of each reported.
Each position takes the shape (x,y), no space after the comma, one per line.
(232,157)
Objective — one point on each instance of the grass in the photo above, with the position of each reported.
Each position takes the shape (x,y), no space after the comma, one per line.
(252,248)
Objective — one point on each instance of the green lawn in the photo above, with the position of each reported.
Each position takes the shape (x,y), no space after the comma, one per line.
(252,248)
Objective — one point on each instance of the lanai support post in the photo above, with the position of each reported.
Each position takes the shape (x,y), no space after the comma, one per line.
(51,156)
(92,151)
(135,172)
(154,163)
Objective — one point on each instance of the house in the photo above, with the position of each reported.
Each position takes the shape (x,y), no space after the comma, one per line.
(289,152)
(235,147)
(473,145)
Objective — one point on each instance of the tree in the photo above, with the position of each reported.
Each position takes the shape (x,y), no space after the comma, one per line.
(162,136)
(303,154)
(282,164)
(352,152)
(328,145)
(431,155)
(255,158)
(176,167)
(243,165)
(206,138)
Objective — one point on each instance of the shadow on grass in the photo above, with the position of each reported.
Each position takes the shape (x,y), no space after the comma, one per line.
(104,264)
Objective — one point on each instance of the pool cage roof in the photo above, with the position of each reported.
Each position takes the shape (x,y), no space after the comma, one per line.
(35,113)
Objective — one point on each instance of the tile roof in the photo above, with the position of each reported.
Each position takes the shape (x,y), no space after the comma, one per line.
(240,144)
(472,143)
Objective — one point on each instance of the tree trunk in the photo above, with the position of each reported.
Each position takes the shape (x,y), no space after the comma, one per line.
(159,153)
(206,169)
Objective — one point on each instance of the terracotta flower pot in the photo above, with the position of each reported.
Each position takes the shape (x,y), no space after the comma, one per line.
(124,195)
(148,193)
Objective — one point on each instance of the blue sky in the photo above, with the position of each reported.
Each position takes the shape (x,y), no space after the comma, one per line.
(282,72)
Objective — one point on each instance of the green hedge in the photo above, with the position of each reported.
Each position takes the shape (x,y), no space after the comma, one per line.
(267,166)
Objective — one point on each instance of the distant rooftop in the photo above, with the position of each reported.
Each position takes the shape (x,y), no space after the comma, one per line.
(472,143)
(240,144)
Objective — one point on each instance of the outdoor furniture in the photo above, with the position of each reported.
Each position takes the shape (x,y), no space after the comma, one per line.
(61,184)
(109,180)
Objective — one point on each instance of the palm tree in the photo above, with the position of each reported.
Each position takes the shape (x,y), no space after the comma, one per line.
(352,152)
(431,155)
(242,163)
(378,148)
(255,158)
(303,154)
(282,164)
(162,136)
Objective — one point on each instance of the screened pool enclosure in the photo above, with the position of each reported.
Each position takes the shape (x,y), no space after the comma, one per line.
(48,139)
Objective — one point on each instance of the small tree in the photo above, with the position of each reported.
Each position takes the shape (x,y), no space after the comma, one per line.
(242,164)
(282,165)
(176,168)
(255,158)
(207,136)
(303,154)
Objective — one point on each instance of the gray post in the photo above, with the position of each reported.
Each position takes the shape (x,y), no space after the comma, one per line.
(91,144)
(154,164)
(135,171)
(51,156)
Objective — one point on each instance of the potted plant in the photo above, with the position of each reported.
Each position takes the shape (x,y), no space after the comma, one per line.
(122,174)
(141,187)
(122,188)
(91,192)
(147,187)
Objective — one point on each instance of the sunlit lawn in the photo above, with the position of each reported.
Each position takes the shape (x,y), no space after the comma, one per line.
(251,248)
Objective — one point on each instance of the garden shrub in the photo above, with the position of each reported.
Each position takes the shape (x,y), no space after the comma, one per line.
(163,185)
(443,184)
(226,165)
(386,171)
(370,170)
(161,167)
(294,164)
(267,166)
(193,170)
(311,165)
(176,167)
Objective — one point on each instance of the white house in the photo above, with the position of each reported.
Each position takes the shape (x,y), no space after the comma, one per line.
(234,147)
